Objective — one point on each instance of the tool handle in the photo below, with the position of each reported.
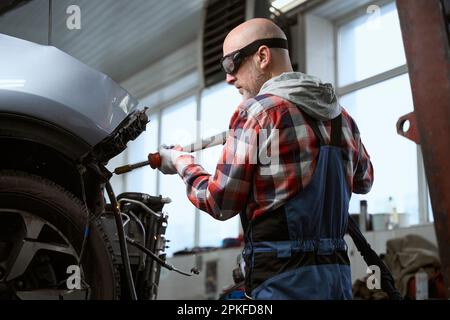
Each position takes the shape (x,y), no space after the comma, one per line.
(154,160)
(129,167)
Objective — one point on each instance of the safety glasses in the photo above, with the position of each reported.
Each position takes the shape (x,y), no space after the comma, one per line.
(232,61)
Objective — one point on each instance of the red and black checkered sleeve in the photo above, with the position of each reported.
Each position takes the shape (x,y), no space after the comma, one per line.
(363,177)
(225,194)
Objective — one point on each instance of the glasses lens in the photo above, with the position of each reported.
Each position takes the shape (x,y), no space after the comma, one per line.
(228,64)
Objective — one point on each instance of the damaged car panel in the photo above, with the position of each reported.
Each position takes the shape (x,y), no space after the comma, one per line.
(93,103)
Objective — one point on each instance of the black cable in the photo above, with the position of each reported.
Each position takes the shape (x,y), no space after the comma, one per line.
(87,225)
(122,241)
(159,260)
(370,256)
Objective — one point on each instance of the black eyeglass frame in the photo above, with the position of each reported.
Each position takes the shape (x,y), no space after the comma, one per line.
(238,56)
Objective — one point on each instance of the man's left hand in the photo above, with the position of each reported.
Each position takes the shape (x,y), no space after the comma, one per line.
(174,160)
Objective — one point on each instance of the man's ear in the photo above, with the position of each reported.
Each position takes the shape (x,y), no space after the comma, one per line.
(264,56)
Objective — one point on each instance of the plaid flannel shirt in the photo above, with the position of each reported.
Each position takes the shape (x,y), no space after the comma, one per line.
(240,183)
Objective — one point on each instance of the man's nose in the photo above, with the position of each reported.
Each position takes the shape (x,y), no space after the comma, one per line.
(230,79)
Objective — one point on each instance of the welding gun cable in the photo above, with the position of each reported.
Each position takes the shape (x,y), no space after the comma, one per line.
(122,241)
(158,259)
(371,258)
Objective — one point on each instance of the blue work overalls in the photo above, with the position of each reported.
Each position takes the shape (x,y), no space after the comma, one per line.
(298,250)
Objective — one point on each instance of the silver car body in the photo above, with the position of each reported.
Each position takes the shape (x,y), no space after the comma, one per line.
(48,84)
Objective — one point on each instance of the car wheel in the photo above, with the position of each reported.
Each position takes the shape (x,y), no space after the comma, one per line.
(41,238)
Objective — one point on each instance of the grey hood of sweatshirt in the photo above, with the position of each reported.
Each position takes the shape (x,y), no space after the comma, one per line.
(312,96)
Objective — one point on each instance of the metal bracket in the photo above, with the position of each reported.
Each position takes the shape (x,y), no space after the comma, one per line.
(411,132)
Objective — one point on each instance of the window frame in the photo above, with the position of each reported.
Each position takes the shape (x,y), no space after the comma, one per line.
(423,191)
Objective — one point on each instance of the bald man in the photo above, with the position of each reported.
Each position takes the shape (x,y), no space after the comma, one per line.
(288,167)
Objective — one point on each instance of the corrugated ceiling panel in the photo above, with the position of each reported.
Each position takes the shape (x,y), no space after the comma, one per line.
(165,72)
(119,38)
(27,22)
(334,9)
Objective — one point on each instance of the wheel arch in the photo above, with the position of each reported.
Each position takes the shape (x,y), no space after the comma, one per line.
(38,147)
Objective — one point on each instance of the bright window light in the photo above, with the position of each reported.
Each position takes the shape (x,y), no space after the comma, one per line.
(286,5)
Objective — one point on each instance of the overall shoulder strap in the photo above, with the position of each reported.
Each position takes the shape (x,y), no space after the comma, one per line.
(313,123)
(244,220)
(336,131)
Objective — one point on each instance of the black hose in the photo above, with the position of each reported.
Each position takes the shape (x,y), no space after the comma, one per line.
(88,218)
(370,256)
(122,241)
(160,261)
(150,265)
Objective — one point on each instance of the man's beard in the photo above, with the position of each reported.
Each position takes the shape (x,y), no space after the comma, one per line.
(259,80)
(247,95)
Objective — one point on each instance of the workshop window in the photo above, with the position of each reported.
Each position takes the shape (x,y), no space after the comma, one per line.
(369,45)
(178,126)
(374,87)
(376,110)
(144,179)
(217,106)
